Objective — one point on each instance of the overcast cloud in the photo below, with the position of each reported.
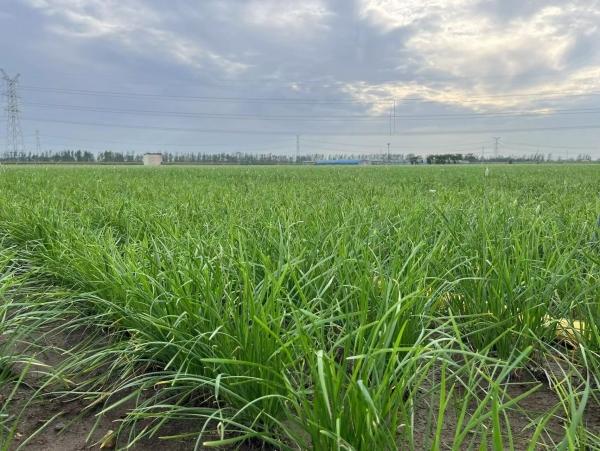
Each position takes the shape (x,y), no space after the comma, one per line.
(453,67)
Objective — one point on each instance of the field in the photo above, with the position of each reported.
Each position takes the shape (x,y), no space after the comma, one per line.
(304,308)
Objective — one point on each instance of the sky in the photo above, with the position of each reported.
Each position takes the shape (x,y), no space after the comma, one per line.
(426,76)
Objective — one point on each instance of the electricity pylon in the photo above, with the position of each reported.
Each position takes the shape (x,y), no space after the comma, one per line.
(14,133)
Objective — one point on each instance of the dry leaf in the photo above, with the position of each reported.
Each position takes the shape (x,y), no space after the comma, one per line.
(108,441)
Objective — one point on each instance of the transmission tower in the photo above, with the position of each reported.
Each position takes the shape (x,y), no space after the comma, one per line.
(496,142)
(14,134)
(38,146)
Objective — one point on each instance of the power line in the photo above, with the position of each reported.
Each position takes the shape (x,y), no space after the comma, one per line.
(528,152)
(379,150)
(511,143)
(444,146)
(250,150)
(545,112)
(252,116)
(324,81)
(317,133)
(538,149)
(312,143)
(367,148)
(229,150)
(227,99)
(143,143)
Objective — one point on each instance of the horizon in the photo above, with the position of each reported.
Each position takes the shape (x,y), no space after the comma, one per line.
(346,77)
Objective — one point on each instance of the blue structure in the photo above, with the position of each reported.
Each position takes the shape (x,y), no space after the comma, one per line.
(341,162)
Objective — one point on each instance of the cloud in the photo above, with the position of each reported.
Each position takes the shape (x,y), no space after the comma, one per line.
(452,55)
(289,15)
(390,14)
(469,45)
(466,48)
(132,25)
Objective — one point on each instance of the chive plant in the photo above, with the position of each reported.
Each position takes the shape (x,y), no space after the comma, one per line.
(317,307)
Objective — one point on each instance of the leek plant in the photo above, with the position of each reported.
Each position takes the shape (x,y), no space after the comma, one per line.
(316,307)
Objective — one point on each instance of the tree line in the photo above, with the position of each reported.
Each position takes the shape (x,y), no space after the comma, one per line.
(110,157)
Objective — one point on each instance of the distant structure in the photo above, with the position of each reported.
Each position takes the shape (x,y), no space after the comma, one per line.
(152,159)
(38,146)
(496,142)
(14,133)
(343,162)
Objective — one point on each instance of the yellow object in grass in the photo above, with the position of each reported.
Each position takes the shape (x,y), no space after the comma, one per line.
(108,441)
(567,330)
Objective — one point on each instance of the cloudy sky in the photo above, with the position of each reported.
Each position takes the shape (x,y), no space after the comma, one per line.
(250,75)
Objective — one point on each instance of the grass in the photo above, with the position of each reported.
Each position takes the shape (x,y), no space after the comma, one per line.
(317,307)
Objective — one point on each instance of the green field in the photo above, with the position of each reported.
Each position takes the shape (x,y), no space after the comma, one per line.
(315,307)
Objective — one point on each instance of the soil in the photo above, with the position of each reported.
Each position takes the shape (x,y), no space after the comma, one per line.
(523,417)
(71,426)
(62,424)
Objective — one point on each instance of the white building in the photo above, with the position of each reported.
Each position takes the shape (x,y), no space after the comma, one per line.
(152,159)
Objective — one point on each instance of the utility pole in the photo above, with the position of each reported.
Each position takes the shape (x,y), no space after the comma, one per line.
(389,156)
(38,146)
(297,148)
(496,142)
(14,133)
(482,153)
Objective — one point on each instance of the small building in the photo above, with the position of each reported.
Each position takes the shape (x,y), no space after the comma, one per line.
(152,159)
